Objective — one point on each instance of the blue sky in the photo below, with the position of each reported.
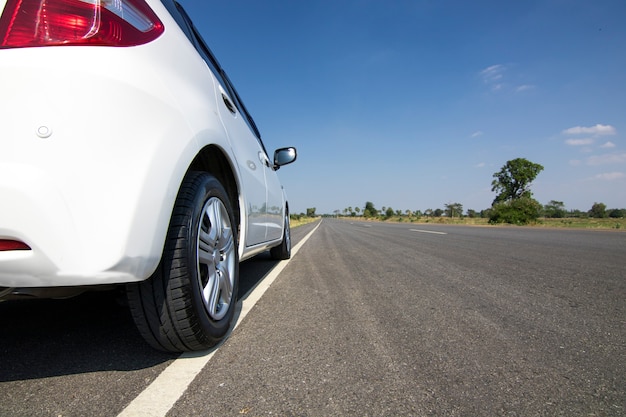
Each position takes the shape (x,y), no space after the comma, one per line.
(416,104)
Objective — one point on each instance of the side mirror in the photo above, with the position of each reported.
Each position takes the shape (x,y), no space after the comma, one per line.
(284,156)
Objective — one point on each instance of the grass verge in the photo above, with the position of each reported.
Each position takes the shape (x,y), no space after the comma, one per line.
(570,223)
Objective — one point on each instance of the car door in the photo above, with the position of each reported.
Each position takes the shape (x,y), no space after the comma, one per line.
(243,136)
(271,213)
(275,204)
(251,159)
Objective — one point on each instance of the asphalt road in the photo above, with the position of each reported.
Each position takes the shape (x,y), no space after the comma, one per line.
(368,319)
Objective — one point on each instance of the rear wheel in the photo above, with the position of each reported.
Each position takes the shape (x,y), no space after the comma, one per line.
(189,302)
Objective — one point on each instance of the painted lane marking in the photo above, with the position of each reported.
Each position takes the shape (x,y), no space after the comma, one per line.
(161,395)
(428,231)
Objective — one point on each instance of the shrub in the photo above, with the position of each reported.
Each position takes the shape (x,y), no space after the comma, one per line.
(519,211)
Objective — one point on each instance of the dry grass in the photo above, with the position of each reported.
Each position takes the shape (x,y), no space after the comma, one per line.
(301,221)
(572,223)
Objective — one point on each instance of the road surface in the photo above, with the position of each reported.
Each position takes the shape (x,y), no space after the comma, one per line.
(368,319)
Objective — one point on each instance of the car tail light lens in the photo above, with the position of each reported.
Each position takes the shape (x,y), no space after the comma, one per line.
(28,23)
(6,245)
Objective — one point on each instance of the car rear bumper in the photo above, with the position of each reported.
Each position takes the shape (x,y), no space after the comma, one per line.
(36,212)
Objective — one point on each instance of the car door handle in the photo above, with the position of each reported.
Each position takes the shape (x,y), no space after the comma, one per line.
(229,104)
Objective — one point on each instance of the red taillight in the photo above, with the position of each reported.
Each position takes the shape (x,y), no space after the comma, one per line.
(6,245)
(26,23)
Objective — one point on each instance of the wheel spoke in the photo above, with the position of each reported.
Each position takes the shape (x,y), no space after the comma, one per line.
(205,255)
(207,235)
(225,281)
(212,294)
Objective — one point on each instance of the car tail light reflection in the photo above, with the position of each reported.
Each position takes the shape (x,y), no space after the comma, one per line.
(6,245)
(28,23)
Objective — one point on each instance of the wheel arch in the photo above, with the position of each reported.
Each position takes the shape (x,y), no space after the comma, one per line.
(213,160)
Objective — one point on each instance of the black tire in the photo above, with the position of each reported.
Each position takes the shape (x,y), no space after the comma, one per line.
(283,251)
(189,302)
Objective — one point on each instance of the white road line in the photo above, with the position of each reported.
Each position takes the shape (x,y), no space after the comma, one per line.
(160,396)
(428,231)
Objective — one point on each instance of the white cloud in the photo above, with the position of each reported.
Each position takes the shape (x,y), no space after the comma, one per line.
(579,142)
(493,73)
(493,76)
(598,130)
(610,176)
(607,159)
(524,87)
(480,165)
(608,145)
(476,134)
(498,78)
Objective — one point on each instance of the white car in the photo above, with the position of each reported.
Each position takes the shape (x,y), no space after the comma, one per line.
(128,158)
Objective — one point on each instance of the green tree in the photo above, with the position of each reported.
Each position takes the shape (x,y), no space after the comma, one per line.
(514,203)
(513,180)
(389,212)
(454,210)
(598,210)
(358,210)
(554,209)
(370,210)
(310,212)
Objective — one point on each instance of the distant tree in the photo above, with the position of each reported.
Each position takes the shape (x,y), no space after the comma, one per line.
(554,209)
(578,214)
(428,212)
(514,203)
(408,213)
(370,210)
(358,210)
(513,180)
(389,212)
(471,213)
(617,213)
(438,212)
(418,213)
(598,210)
(310,212)
(454,210)
(398,213)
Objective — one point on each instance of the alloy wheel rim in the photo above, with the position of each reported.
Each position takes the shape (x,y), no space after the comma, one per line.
(216,258)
